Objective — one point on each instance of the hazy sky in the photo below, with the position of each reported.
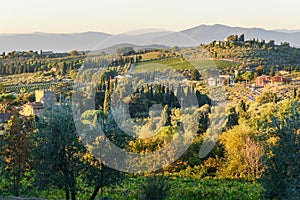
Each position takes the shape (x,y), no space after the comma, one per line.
(117,16)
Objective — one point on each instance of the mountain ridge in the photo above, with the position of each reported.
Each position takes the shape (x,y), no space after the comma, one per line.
(64,42)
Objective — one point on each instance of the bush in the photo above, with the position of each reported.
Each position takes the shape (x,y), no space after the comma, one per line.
(155,188)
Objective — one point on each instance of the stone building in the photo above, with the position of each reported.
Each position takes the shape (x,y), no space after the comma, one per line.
(46,97)
(43,98)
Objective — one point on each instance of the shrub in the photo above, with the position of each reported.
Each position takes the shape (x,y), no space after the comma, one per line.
(155,188)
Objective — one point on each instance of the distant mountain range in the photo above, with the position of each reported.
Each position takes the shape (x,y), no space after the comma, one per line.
(98,40)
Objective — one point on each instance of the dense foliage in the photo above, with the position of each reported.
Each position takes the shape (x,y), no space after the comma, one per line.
(256,156)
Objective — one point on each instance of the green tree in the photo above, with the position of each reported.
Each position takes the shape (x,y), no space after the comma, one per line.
(6,101)
(155,188)
(203,119)
(106,102)
(242,38)
(260,70)
(243,153)
(233,38)
(272,71)
(17,150)
(267,97)
(281,179)
(271,43)
(58,153)
(241,108)
(248,76)
(74,53)
(175,49)
(195,75)
(165,116)
(98,175)
(232,119)
(2,88)
(125,50)
(294,93)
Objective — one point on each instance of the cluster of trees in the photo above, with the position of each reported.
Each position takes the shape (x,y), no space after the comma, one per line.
(258,141)
(236,38)
(262,143)
(256,144)
(36,54)
(59,67)
(254,52)
(46,153)
(42,67)
(260,70)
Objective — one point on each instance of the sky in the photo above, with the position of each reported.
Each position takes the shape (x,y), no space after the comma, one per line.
(120,16)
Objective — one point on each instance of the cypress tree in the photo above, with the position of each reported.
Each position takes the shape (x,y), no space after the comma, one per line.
(106,102)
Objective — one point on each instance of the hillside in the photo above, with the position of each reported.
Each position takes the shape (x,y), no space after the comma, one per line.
(249,53)
(205,34)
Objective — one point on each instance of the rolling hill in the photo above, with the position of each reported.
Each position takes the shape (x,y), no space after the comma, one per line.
(96,40)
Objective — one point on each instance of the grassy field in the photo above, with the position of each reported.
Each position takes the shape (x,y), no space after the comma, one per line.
(167,63)
(219,64)
(151,55)
(182,64)
(179,188)
(189,189)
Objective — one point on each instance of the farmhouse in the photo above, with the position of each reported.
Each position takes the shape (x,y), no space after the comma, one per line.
(46,52)
(215,81)
(219,81)
(44,98)
(265,80)
(228,77)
